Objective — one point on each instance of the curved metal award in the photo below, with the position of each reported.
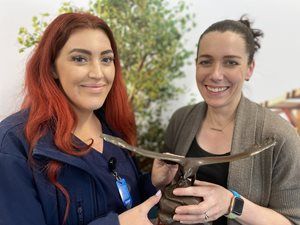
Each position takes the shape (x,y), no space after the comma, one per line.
(188,167)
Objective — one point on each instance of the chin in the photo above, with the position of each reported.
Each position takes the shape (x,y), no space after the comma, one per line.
(91,106)
(95,107)
(215,103)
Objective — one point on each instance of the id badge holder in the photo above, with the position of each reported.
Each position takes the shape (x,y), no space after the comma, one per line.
(121,184)
(124,192)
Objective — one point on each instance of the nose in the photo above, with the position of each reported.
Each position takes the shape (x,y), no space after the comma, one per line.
(217,72)
(95,71)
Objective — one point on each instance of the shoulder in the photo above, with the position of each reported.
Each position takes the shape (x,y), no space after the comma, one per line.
(12,138)
(272,122)
(276,122)
(14,120)
(286,136)
(288,140)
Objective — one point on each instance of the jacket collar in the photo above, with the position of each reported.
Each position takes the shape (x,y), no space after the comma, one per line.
(190,128)
(45,149)
(244,136)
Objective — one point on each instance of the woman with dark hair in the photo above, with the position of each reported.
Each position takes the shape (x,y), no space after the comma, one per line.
(55,167)
(263,189)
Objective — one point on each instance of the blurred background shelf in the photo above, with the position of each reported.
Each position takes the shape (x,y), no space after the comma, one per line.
(288,106)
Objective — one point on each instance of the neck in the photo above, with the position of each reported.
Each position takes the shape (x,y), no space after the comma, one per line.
(218,117)
(218,120)
(88,126)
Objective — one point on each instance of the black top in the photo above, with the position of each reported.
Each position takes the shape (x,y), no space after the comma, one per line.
(214,173)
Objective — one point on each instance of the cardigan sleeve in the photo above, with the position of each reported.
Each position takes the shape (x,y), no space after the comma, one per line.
(285,193)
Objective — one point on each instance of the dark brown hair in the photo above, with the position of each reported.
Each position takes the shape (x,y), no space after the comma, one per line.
(243,27)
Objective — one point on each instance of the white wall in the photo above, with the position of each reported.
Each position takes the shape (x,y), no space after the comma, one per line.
(276,64)
(278,60)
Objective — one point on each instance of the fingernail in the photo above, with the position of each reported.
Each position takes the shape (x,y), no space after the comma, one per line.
(158,193)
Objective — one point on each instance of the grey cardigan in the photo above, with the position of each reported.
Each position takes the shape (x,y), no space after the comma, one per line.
(270,179)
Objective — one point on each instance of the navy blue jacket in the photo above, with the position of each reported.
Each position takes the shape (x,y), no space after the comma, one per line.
(28,198)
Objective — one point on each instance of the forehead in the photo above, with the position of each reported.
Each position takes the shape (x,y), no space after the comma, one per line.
(90,39)
(222,43)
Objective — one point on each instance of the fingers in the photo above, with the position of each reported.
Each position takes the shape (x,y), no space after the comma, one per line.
(150,202)
(216,201)
(202,183)
(200,189)
(196,214)
(191,209)
(189,219)
(158,162)
(162,173)
(197,191)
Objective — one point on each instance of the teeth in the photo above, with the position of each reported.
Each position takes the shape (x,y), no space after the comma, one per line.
(218,89)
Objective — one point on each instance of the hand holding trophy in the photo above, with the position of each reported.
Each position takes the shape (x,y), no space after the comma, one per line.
(188,167)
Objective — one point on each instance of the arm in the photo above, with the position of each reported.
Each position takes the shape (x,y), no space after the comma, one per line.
(284,200)
(282,206)
(19,202)
(216,203)
(262,216)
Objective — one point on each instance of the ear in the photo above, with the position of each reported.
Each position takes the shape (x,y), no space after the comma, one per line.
(54,73)
(250,70)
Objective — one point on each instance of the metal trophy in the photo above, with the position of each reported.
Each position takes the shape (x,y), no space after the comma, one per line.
(188,167)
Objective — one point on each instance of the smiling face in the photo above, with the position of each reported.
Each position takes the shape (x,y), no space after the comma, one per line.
(222,67)
(85,69)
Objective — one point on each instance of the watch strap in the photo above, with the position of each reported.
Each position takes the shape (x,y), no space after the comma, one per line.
(232,215)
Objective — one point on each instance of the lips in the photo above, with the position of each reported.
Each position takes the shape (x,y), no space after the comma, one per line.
(215,89)
(94,88)
(93,85)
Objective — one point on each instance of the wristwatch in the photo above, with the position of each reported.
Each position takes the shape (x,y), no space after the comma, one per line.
(236,205)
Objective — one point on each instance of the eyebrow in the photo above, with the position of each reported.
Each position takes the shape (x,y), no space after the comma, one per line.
(89,52)
(232,56)
(226,56)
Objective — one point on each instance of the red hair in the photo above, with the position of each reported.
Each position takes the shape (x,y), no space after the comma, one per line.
(50,110)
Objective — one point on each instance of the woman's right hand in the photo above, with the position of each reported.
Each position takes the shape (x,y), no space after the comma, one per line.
(139,214)
(162,173)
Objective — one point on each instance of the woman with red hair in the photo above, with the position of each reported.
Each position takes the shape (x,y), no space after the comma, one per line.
(55,167)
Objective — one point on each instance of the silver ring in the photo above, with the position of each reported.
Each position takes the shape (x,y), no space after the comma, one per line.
(206,217)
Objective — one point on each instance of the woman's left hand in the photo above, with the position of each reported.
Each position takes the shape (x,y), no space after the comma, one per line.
(162,173)
(216,203)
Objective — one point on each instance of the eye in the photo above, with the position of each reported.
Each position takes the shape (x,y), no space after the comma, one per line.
(204,62)
(231,63)
(79,59)
(107,59)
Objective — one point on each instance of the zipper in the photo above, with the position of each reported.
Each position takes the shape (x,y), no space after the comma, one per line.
(95,198)
(79,211)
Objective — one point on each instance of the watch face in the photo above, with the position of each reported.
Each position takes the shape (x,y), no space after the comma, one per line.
(238,206)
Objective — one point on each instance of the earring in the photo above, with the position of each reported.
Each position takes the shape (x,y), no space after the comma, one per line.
(247,79)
